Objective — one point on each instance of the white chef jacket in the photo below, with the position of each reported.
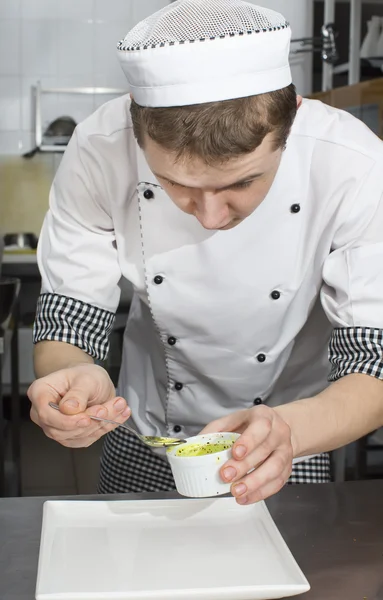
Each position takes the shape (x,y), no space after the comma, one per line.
(219,319)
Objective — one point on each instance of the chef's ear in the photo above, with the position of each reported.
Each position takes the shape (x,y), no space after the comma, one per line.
(299,101)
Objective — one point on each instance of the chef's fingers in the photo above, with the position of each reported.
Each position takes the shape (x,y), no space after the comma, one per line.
(82,389)
(55,389)
(46,416)
(114,409)
(84,442)
(262,430)
(261,439)
(86,428)
(256,443)
(233,470)
(59,434)
(40,394)
(34,416)
(234,422)
(266,480)
(88,440)
(265,492)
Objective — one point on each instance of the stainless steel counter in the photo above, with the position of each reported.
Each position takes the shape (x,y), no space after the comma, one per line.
(335,532)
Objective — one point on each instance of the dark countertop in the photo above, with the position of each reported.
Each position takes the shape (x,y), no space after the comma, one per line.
(24,267)
(335,532)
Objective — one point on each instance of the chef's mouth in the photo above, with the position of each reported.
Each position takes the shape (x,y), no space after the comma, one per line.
(230,225)
(223,228)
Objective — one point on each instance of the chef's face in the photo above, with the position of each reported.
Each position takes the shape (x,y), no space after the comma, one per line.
(219,196)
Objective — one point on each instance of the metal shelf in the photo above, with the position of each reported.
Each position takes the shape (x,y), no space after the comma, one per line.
(353,64)
(40,91)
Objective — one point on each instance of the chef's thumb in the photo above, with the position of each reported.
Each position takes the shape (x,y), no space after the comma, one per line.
(75,401)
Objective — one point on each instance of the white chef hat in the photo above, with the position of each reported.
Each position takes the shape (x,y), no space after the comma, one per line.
(195,51)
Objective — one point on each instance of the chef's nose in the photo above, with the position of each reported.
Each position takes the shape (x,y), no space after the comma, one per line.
(210,212)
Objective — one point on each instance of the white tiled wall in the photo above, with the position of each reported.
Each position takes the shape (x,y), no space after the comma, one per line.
(62,43)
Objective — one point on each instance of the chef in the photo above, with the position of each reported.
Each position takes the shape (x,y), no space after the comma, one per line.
(249,223)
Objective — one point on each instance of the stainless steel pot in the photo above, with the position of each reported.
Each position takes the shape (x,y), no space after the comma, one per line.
(58,133)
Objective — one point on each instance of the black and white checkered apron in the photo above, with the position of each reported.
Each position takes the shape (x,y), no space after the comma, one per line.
(127,465)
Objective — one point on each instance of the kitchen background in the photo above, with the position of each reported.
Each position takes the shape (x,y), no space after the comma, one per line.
(71,44)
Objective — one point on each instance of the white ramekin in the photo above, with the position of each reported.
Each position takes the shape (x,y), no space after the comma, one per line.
(198,476)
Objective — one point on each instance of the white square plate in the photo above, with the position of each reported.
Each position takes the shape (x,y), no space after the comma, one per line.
(208,549)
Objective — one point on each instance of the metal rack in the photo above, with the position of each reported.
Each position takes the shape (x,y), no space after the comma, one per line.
(353,64)
(39,91)
(325,44)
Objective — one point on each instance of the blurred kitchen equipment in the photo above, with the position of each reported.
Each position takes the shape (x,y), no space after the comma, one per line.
(1,251)
(58,133)
(369,46)
(372,48)
(9,289)
(379,47)
(325,44)
(20,241)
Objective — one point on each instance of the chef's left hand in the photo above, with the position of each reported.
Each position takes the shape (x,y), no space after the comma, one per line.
(265,446)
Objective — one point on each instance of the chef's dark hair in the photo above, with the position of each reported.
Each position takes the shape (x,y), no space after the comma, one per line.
(218,131)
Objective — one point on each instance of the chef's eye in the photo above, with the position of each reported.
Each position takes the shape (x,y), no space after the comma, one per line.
(242,185)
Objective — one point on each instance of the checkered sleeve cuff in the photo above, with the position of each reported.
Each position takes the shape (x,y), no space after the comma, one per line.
(356,350)
(63,319)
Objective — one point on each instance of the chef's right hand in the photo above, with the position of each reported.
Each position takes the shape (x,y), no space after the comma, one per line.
(80,391)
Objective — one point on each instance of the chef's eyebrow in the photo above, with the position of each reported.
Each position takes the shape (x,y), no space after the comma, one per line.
(226,187)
